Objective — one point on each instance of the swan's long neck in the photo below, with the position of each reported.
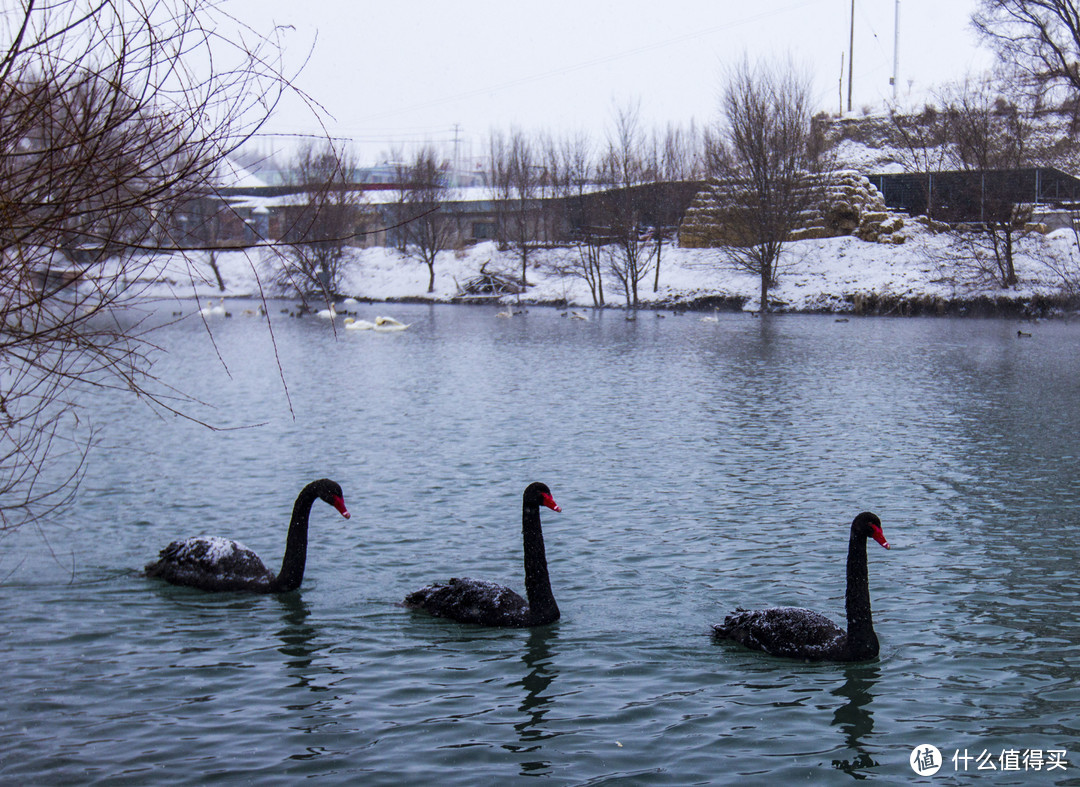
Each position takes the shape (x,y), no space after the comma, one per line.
(542,606)
(292,565)
(862,641)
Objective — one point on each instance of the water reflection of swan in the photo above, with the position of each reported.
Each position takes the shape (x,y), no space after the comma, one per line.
(537,679)
(296,634)
(855,718)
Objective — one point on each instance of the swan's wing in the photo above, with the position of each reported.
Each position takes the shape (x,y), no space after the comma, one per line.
(470,601)
(206,561)
(783,631)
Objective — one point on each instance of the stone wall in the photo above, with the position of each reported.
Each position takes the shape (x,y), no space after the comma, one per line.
(849,204)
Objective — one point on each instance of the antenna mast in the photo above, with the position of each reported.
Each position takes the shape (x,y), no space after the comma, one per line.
(896,51)
(851,56)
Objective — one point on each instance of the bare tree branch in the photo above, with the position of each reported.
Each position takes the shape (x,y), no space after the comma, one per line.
(114,115)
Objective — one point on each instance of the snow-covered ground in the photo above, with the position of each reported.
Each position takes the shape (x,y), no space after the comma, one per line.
(815,275)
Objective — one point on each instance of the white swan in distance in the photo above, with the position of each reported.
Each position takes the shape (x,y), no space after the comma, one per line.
(388,324)
(352,324)
(214,311)
(327,314)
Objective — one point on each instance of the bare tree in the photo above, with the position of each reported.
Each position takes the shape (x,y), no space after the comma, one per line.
(1040,37)
(111,117)
(764,154)
(516,175)
(622,168)
(427,224)
(989,135)
(678,156)
(322,226)
(922,139)
(575,177)
(396,212)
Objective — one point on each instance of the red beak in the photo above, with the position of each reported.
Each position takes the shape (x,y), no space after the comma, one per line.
(339,504)
(549,501)
(879,536)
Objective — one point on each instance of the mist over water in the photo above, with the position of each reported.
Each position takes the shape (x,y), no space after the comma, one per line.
(699,467)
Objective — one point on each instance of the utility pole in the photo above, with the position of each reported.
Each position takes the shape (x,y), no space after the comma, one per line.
(896,51)
(457,142)
(840,84)
(851,56)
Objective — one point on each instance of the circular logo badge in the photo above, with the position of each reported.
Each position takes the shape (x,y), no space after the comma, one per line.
(925,759)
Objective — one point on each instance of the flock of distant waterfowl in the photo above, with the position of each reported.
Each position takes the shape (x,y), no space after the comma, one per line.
(351,322)
(219,564)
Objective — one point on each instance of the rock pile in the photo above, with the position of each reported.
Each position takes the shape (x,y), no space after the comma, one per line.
(845,203)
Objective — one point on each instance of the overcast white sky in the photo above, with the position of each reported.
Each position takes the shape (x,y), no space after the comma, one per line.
(425,70)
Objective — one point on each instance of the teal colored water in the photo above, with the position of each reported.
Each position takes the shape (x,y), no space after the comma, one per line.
(699,466)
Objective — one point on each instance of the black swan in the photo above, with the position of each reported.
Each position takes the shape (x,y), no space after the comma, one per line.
(803,634)
(212,563)
(489,604)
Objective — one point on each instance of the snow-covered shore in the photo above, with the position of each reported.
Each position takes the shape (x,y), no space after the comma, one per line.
(922,275)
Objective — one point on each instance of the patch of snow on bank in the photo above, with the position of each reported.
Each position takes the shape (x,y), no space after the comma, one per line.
(814,274)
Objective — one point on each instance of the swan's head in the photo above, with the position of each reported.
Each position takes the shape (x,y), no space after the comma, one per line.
(538,494)
(867,524)
(330,492)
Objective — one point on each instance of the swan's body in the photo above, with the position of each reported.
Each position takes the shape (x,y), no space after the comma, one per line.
(220,564)
(352,324)
(327,314)
(387,324)
(579,316)
(489,604)
(794,632)
(214,311)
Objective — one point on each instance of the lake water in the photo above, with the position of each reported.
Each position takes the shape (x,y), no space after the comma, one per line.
(699,467)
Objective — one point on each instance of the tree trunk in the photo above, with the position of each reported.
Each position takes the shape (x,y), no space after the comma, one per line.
(656,280)
(217,273)
(1010,268)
